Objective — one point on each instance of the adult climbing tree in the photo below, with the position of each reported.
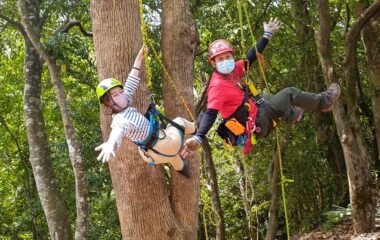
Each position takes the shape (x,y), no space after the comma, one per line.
(142,195)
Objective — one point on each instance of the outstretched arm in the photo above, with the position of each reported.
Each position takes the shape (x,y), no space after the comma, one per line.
(109,147)
(133,78)
(270,28)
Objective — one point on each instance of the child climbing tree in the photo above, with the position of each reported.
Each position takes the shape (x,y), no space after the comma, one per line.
(144,208)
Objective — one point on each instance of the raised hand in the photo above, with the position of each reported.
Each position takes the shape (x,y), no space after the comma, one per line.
(271,27)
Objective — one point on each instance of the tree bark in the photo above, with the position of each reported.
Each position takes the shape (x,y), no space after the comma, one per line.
(27,7)
(39,156)
(179,43)
(347,122)
(144,208)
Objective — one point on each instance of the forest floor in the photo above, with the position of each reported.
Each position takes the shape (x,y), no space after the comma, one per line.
(344,230)
(341,231)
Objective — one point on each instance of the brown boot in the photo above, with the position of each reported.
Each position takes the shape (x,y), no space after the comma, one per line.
(333,94)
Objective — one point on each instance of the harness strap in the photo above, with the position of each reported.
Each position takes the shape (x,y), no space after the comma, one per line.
(153,134)
(171,122)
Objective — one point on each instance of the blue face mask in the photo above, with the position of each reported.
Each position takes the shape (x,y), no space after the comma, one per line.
(226,66)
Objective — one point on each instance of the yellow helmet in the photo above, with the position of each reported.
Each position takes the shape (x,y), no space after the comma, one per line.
(105,85)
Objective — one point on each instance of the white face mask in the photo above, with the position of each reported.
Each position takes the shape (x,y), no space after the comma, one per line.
(226,66)
(117,100)
(121,100)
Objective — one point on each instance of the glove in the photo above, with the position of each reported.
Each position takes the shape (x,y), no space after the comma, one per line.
(190,145)
(271,27)
(110,146)
(107,149)
(193,143)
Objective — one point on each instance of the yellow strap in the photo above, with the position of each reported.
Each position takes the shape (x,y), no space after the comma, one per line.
(144,39)
(255,92)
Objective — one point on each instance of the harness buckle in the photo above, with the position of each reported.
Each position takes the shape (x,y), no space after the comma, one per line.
(260,101)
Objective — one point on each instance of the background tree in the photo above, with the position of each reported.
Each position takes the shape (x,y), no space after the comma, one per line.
(358,161)
(74,146)
(312,158)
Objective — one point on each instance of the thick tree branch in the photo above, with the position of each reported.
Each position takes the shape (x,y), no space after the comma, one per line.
(323,40)
(68,25)
(351,41)
(354,33)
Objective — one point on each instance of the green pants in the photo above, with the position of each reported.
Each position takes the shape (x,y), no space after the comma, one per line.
(281,106)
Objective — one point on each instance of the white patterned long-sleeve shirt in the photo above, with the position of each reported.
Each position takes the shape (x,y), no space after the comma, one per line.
(129,123)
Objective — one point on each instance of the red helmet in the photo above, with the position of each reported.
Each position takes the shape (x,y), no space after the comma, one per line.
(219,46)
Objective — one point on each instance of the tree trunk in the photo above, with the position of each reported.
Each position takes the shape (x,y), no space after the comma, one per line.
(48,190)
(273,209)
(274,174)
(348,124)
(142,200)
(243,185)
(52,203)
(179,43)
(212,182)
(313,77)
(370,36)
(74,146)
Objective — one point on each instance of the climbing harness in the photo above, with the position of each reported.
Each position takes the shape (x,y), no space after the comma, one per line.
(157,122)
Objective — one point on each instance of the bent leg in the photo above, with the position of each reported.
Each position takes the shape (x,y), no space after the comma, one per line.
(150,156)
(292,96)
(187,125)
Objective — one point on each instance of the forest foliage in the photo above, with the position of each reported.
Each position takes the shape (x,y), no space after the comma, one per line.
(316,183)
